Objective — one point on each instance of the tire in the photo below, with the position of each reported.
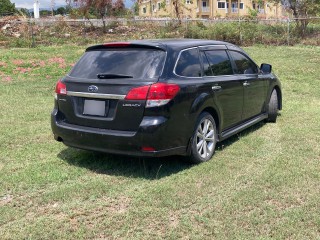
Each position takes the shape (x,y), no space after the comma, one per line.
(204,139)
(273,107)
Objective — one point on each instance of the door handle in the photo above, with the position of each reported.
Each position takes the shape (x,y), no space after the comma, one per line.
(216,87)
(246,84)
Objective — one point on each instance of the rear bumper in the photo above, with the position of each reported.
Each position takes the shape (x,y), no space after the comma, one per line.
(151,133)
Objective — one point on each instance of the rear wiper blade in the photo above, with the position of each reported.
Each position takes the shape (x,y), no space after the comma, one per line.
(111,75)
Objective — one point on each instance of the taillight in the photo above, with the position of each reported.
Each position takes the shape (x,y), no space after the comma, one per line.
(157,94)
(61,88)
(139,93)
(147,149)
(117,44)
(161,93)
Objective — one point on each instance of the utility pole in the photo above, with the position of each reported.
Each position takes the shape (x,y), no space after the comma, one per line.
(36,9)
(52,7)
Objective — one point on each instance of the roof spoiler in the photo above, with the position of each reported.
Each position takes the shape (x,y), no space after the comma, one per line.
(125,45)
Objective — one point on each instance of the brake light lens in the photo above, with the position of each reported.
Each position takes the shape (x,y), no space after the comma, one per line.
(61,88)
(139,93)
(148,149)
(161,93)
(117,44)
(157,94)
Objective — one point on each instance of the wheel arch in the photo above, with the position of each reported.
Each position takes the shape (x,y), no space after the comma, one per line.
(214,114)
(206,112)
(202,104)
(216,118)
(279,95)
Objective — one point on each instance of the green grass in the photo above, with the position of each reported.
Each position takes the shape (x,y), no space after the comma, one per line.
(262,183)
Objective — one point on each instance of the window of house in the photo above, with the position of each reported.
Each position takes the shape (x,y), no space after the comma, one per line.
(221,5)
(144,10)
(188,1)
(159,5)
(204,4)
(241,5)
(153,7)
(188,64)
(243,64)
(219,62)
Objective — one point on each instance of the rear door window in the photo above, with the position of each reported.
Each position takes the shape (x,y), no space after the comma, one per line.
(219,63)
(206,66)
(135,63)
(188,64)
(243,64)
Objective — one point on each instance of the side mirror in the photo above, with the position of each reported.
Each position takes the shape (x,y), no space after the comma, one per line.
(266,68)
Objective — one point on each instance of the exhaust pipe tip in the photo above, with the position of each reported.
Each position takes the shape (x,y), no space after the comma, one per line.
(58,138)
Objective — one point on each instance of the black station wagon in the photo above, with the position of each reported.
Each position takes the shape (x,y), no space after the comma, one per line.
(162,97)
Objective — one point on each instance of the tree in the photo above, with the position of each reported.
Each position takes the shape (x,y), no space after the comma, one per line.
(61,11)
(45,13)
(135,8)
(178,6)
(101,8)
(7,8)
(118,8)
(68,9)
(24,12)
(301,10)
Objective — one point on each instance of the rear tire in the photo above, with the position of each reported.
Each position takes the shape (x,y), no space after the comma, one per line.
(273,107)
(204,139)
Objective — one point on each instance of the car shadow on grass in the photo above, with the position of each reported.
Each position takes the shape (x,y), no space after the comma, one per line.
(148,168)
(117,165)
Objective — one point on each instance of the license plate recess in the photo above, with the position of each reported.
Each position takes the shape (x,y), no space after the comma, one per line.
(94,107)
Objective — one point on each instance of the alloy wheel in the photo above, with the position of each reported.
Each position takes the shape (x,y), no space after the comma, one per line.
(205,138)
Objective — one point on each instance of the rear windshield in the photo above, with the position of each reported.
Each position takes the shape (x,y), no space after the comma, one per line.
(134,63)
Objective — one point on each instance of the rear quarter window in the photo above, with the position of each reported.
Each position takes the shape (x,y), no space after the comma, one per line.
(188,64)
(138,63)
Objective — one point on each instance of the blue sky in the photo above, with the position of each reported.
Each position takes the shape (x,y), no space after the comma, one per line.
(47,3)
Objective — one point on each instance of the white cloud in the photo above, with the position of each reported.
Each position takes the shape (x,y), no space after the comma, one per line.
(43,3)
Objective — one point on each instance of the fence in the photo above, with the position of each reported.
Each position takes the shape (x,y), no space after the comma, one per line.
(32,32)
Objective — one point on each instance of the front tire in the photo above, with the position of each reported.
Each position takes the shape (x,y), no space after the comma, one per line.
(204,139)
(273,107)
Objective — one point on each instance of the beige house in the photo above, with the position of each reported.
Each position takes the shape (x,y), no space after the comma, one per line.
(210,9)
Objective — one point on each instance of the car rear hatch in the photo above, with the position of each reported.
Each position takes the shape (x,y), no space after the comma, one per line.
(97,87)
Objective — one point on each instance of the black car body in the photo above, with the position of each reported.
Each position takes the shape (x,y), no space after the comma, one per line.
(162,97)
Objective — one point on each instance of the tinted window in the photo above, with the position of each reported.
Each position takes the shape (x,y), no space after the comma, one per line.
(206,66)
(244,65)
(219,62)
(188,64)
(138,63)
